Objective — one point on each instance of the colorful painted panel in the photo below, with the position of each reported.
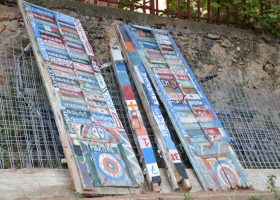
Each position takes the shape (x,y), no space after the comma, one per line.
(200,131)
(176,170)
(103,154)
(141,137)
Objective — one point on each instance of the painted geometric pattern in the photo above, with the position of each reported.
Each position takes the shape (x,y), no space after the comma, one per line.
(136,122)
(145,89)
(103,154)
(197,126)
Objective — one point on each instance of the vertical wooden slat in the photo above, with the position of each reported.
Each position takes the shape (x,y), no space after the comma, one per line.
(95,2)
(144,6)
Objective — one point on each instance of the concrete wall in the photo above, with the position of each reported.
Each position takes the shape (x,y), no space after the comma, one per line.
(35,184)
(258,178)
(56,183)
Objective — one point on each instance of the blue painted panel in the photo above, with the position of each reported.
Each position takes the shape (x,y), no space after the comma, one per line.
(153,102)
(197,125)
(84,101)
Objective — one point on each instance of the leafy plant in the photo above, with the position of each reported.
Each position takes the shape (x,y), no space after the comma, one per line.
(187,196)
(254,198)
(263,15)
(272,186)
(127,3)
(270,20)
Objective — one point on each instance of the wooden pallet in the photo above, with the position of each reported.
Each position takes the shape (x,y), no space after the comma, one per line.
(89,154)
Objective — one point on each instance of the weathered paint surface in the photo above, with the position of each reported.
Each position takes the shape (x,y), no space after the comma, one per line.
(197,125)
(141,137)
(103,154)
(176,169)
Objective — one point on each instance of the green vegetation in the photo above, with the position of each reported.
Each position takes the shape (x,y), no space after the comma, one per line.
(254,198)
(127,3)
(187,196)
(272,186)
(262,15)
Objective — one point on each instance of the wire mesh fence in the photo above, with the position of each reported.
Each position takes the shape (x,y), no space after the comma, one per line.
(252,118)
(29,137)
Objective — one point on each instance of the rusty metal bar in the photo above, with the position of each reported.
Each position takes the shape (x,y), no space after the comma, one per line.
(120,4)
(144,6)
(227,16)
(132,5)
(209,11)
(152,7)
(236,14)
(198,10)
(178,8)
(218,19)
(157,9)
(261,7)
(189,9)
(167,8)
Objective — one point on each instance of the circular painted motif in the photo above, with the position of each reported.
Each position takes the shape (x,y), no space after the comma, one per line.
(110,165)
(226,173)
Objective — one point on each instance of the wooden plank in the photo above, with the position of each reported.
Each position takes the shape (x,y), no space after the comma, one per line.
(95,144)
(197,125)
(54,104)
(136,122)
(165,144)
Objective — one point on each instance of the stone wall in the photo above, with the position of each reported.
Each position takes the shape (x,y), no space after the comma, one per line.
(247,58)
(12,31)
(250,59)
